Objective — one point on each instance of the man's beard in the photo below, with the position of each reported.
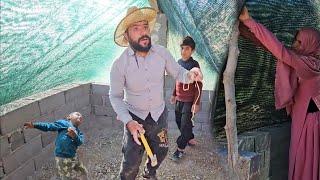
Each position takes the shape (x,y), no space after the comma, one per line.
(137,47)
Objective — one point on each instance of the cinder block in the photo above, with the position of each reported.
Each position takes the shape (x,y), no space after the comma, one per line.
(85,111)
(82,102)
(52,102)
(47,154)
(66,87)
(106,101)
(170,107)
(17,117)
(16,139)
(266,171)
(77,92)
(104,111)
(202,120)
(87,116)
(168,93)
(262,141)
(203,115)
(22,155)
(96,99)
(88,121)
(261,162)
(206,129)
(169,82)
(31,133)
(249,164)
(100,89)
(64,111)
(207,95)
(4,146)
(12,106)
(246,142)
(171,116)
(205,107)
(48,138)
(101,122)
(27,169)
(116,123)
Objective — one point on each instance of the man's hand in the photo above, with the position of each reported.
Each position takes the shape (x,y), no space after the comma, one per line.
(28,125)
(195,108)
(173,100)
(72,132)
(244,14)
(195,74)
(135,128)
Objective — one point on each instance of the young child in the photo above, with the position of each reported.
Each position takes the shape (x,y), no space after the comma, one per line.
(186,98)
(68,139)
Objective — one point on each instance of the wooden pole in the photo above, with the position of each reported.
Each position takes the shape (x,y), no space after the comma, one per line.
(229,89)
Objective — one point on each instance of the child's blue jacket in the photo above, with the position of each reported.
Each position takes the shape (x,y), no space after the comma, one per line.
(65,146)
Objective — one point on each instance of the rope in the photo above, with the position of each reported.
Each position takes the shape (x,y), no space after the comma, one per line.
(193,110)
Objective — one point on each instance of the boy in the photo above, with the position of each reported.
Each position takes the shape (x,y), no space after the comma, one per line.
(68,139)
(186,98)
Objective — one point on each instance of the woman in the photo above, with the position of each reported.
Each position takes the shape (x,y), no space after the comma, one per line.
(297,88)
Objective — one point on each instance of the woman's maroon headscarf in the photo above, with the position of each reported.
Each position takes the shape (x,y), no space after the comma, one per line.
(309,41)
(286,81)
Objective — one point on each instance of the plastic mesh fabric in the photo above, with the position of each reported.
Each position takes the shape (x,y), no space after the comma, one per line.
(210,23)
(49,43)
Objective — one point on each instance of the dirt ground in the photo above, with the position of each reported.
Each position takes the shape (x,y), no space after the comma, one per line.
(101,154)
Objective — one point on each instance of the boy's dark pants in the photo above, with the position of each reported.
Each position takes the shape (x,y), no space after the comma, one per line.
(156,135)
(183,120)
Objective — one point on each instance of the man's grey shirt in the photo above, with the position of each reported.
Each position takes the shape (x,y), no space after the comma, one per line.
(137,86)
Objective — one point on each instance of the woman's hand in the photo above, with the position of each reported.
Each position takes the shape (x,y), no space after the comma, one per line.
(244,14)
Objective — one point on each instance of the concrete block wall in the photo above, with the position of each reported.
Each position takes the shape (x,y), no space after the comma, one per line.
(101,107)
(263,152)
(23,151)
(254,151)
(279,150)
(257,144)
(202,118)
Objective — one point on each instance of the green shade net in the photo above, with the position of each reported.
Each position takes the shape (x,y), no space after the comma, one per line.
(54,42)
(49,43)
(254,79)
(210,24)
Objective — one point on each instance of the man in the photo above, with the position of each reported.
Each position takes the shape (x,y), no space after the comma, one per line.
(136,90)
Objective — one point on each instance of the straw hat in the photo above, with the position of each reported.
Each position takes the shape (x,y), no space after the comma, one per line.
(134,15)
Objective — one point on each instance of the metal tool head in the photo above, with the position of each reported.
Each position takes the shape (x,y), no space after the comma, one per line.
(154,160)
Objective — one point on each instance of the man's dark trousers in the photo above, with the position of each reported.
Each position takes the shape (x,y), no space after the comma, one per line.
(156,135)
